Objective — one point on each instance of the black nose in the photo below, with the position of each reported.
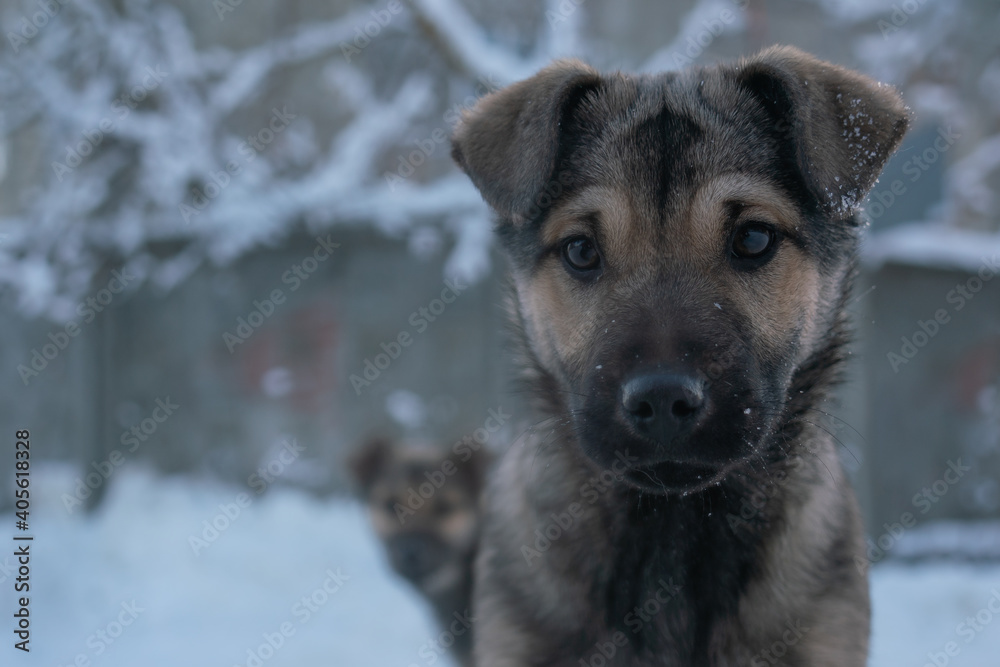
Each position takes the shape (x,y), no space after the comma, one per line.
(411,555)
(662,406)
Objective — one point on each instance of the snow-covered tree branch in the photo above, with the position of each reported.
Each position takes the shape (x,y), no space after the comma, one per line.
(126,141)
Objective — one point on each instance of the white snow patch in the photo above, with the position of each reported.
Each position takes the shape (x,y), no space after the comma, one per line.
(919,609)
(211,608)
(407,408)
(973,540)
(931,244)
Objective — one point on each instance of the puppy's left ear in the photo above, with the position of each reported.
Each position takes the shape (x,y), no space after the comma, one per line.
(843,125)
(508,143)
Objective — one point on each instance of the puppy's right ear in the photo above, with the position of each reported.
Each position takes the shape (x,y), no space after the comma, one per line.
(368,461)
(508,143)
(841,125)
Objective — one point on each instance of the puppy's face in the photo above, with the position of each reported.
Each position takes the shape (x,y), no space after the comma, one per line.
(684,251)
(424,507)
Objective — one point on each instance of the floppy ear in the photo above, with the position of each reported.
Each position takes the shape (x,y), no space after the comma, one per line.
(508,143)
(367,462)
(844,126)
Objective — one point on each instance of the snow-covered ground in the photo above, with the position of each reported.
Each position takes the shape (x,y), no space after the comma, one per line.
(132,563)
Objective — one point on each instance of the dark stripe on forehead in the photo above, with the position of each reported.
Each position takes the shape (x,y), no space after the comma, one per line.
(659,148)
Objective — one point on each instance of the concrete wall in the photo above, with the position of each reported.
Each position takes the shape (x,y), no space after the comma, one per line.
(938,401)
(289,377)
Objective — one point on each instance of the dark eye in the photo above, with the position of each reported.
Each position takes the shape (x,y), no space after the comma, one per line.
(581,254)
(753,240)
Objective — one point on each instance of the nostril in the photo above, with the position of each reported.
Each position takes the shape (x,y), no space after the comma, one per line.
(643,411)
(681,409)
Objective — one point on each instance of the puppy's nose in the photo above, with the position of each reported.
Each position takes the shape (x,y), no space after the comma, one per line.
(411,559)
(410,555)
(662,406)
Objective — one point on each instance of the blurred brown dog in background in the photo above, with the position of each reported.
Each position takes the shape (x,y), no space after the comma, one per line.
(424,503)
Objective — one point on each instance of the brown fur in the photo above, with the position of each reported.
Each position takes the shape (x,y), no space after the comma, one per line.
(424,504)
(678,378)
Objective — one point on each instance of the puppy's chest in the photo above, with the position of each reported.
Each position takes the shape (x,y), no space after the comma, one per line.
(665,587)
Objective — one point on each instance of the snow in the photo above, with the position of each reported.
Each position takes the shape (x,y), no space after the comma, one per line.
(407,408)
(211,608)
(932,245)
(697,26)
(975,540)
(174,162)
(214,607)
(918,610)
(467,42)
(967,178)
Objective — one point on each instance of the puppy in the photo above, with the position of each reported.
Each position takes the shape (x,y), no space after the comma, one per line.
(681,248)
(424,504)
